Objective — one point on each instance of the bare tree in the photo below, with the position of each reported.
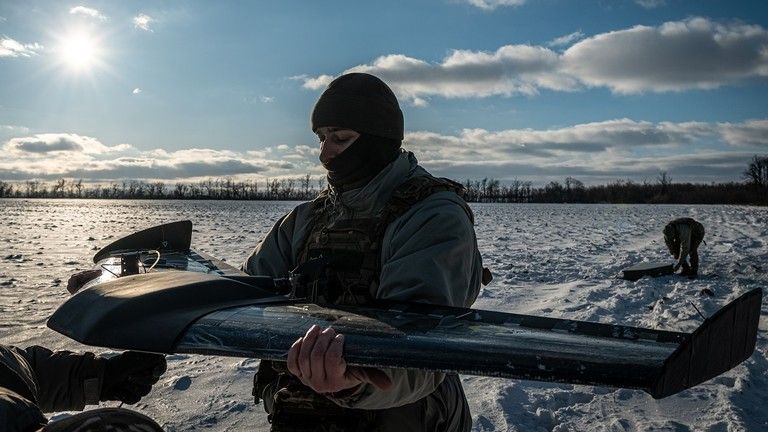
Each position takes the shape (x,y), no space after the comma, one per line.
(79,187)
(6,189)
(58,187)
(757,171)
(305,184)
(664,181)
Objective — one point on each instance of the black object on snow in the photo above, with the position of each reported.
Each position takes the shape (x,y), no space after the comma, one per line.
(652,269)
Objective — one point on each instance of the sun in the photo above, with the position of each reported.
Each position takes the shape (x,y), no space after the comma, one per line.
(79,51)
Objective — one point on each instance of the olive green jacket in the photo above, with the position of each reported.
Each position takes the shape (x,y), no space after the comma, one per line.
(429,254)
(36,380)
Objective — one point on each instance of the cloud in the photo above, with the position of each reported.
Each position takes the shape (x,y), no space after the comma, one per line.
(598,151)
(143,21)
(59,142)
(752,132)
(582,139)
(314,83)
(82,10)
(12,48)
(510,70)
(493,4)
(651,4)
(566,40)
(136,91)
(55,155)
(695,53)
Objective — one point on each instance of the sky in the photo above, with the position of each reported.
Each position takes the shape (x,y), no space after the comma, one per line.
(508,89)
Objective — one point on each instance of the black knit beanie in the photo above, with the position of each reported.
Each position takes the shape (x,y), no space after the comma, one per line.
(360,102)
(363,103)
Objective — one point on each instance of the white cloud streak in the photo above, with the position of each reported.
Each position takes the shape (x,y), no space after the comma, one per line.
(86,11)
(12,48)
(493,4)
(43,144)
(651,4)
(143,21)
(695,53)
(566,40)
(749,133)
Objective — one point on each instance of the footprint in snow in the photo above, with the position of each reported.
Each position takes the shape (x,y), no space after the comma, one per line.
(247,365)
(182,383)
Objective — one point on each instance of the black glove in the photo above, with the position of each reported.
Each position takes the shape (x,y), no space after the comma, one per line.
(130,376)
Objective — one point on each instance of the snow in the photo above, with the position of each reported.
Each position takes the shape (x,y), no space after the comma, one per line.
(552,260)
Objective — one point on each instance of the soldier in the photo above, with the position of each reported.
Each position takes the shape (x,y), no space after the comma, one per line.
(389,231)
(683,237)
(37,380)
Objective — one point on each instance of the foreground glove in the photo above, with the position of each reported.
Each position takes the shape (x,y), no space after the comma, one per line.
(129,376)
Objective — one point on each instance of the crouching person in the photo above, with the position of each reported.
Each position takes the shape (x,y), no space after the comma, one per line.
(37,380)
(683,237)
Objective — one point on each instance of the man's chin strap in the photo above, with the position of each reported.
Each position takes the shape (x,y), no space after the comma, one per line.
(361,161)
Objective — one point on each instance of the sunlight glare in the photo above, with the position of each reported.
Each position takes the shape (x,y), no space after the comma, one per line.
(79,51)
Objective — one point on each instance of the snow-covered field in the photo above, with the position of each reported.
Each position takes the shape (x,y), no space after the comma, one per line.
(553,260)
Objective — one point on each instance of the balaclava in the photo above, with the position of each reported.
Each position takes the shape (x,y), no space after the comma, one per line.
(363,103)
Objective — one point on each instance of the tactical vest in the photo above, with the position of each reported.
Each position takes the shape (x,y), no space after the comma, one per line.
(352,245)
(352,248)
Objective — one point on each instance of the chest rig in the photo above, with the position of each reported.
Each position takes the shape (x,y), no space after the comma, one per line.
(350,247)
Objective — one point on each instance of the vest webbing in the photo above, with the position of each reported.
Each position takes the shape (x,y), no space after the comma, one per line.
(353,244)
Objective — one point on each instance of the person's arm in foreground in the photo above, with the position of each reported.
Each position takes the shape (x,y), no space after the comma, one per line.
(68,381)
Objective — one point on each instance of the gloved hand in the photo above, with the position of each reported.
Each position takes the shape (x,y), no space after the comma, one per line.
(77,280)
(130,376)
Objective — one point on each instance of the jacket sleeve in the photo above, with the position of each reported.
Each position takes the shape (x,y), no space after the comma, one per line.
(684,233)
(19,414)
(66,381)
(429,255)
(273,256)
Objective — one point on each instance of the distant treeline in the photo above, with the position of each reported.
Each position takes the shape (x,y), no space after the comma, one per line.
(662,190)
(213,189)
